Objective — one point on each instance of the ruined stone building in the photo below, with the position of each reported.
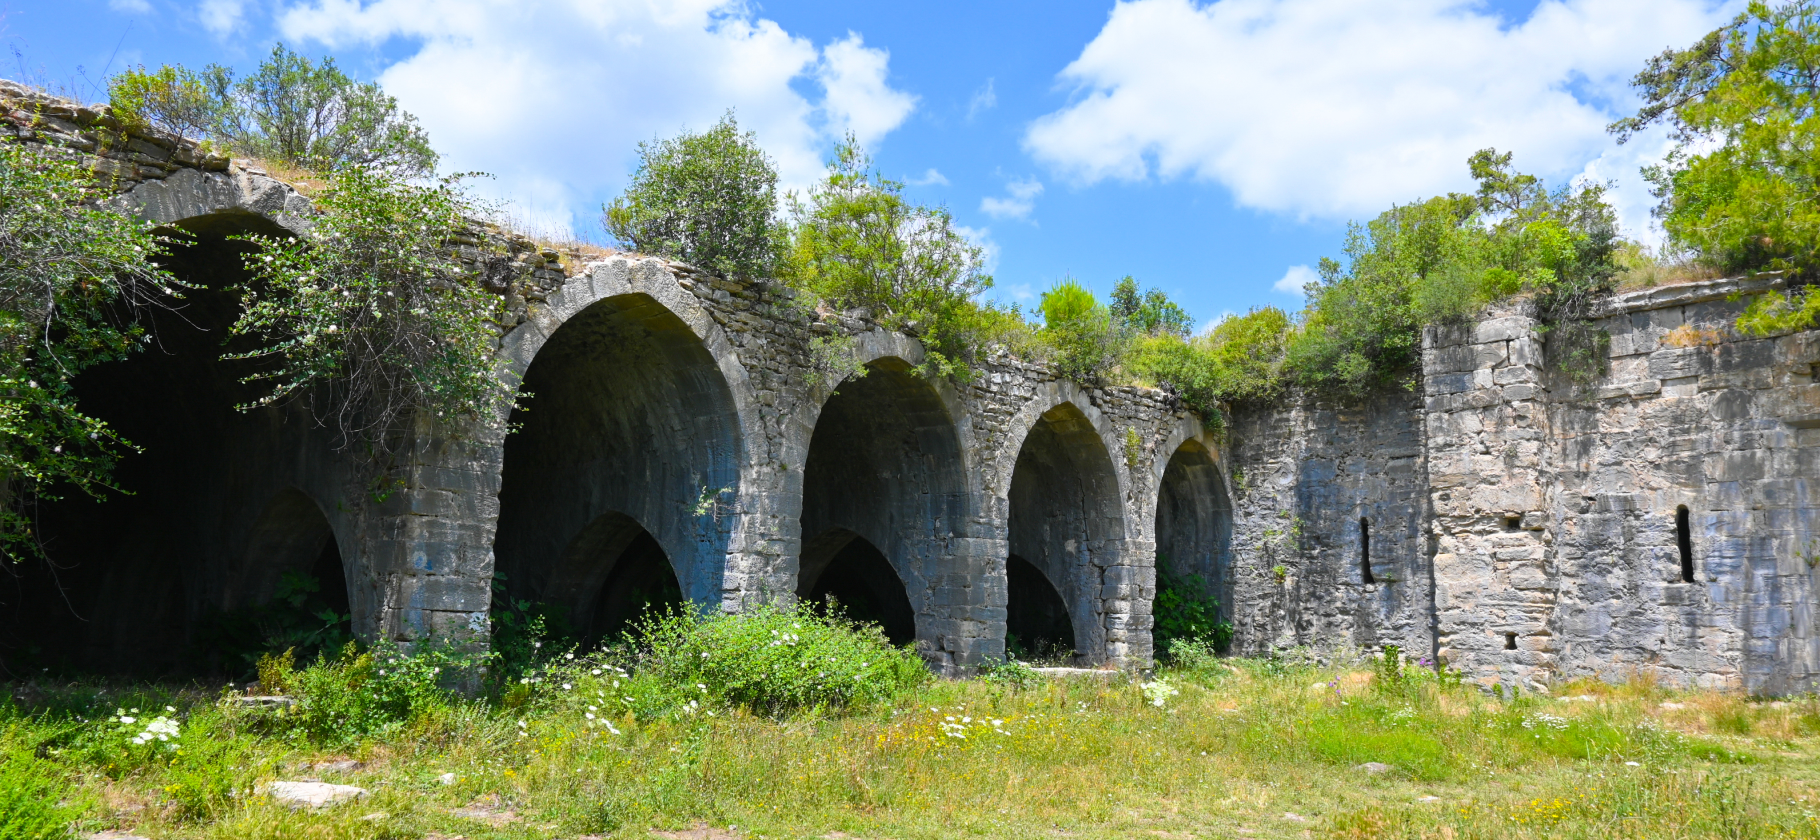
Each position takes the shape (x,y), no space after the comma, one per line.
(1512,523)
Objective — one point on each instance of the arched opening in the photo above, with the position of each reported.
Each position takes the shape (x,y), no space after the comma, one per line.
(883,497)
(1067,523)
(135,577)
(1193,544)
(288,590)
(1037,626)
(846,574)
(610,575)
(1365,551)
(1684,541)
(621,470)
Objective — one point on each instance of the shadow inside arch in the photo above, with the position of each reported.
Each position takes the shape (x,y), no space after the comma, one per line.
(843,573)
(1067,523)
(620,468)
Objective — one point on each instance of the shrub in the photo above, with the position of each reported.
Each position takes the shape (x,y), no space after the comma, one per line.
(371,315)
(707,199)
(1239,360)
(1153,313)
(354,694)
(1079,331)
(1185,611)
(775,660)
(72,279)
(172,98)
(32,800)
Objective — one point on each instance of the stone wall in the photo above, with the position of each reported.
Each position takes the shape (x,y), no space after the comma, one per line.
(1515,523)
(1322,485)
(1557,503)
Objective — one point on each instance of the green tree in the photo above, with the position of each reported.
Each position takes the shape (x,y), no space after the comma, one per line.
(290,110)
(856,241)
(1739,187)
(1079,330)
(707,199)
(173,98)
(71,280)
(1442,260)
(372,315)
(1151,313)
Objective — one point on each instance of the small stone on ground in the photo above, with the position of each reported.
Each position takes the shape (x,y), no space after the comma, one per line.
(1375,767)
(311,794)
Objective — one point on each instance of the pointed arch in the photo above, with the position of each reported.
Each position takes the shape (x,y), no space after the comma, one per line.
(1067,520)
(1194,521)
(885,478)
(628,425)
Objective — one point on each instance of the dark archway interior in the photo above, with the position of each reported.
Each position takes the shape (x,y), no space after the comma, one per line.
(613,573)
(620,473)
(883,492)
(857,581)
(1036,619)
(1194,523)
(132,579)
(1066,522)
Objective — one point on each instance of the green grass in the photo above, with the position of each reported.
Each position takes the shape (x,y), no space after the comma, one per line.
(1245,749)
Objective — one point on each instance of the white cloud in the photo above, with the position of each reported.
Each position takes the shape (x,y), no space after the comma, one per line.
(552,96)
(858,99)
(137,7)
(988,248)
(1018,206)
(220,17)
(931,177)
(1295,279)
(984,99)
(1334,108)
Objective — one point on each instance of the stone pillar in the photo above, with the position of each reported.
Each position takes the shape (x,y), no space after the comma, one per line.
(429,541)
(1488,433)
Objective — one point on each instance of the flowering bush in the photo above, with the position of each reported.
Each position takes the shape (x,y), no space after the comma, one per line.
(372,314)
(158,731)
(359,694)
(771,660)
(1158,691)
(72,278)
(774,659)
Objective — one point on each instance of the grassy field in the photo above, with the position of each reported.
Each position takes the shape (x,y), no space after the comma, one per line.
(1239,749)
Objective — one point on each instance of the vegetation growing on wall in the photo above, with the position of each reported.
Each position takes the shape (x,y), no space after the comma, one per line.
(72,279)
(371,316)
(290,110)
(1738,188)
(856,241)
(707,199)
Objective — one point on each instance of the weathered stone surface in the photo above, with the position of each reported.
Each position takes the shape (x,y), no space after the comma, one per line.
(311,794)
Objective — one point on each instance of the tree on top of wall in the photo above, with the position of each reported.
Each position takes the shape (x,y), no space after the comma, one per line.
(1738,188)
(290,110)
(708,199)
(856,241)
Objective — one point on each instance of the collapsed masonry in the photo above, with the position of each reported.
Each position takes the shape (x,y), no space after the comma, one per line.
(680,438)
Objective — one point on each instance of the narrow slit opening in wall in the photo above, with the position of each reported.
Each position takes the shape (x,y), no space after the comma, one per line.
(1510,641)
(1513,522)
(1684,540)
(1365,550)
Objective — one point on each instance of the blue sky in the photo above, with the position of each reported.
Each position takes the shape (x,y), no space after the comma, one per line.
(1205,148)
